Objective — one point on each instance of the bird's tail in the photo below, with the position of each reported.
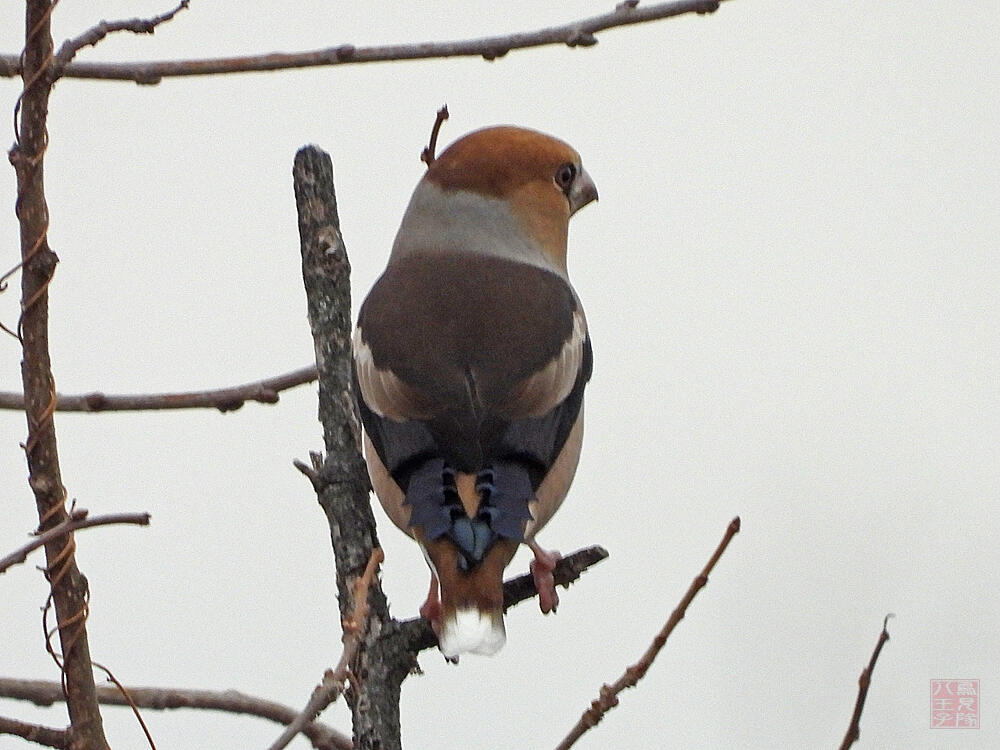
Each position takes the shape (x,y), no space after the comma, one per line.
(471,601)
(471,630)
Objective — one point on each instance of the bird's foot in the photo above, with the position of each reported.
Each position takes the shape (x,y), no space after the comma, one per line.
(541,570)
(431,609)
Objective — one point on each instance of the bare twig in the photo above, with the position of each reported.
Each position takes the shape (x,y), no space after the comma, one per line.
(94,35)
(334,680)
(428,155)
(579,33)
(864,681)
(46,693)
(608,698)
(224,399)
(78,520)
(57,63)
(312,473)
(131,703)
(35,733)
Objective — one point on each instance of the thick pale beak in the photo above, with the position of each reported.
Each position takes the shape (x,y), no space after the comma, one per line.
(583,192)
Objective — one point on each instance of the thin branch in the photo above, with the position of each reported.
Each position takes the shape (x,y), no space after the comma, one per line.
(35,733)
(78,520)
(46,693)
(567,571)
(335,680)
(608,698)
(224,399)
(94,35)
(131,703)
(580,33)
(312,473)
(429,154)
(864,682)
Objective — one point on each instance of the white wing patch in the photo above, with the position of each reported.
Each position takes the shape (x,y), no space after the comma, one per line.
(540,393)
(382,390)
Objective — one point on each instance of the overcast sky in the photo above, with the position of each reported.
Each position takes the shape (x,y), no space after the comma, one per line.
(791,281)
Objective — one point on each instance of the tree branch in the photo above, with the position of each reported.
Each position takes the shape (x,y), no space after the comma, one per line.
(35,733)
(76,521)
(418,634)
(567,571)
(579,33)
(224,399)
(46,693)
(608,698)
(429,154)
(94,35)
(342,478)
(334,680)
(864,681)
(68,585)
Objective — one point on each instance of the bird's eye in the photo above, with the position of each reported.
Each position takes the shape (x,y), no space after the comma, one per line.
(565,176)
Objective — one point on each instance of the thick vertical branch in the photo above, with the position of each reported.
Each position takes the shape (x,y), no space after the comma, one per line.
(326,274)
(69,587)
(342,483)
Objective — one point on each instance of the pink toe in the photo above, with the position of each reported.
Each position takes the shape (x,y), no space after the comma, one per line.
(541,570)
(431,608)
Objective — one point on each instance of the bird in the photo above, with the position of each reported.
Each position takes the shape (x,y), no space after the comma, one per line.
(470,359)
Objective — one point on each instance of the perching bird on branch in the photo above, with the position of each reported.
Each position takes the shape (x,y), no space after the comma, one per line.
(471,356)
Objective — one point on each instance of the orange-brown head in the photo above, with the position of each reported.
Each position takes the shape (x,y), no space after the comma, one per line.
(516,187)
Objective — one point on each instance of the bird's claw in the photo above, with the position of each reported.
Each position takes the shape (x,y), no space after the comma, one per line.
(545,583)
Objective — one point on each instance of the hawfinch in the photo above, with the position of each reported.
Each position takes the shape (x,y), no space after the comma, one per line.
(471,355)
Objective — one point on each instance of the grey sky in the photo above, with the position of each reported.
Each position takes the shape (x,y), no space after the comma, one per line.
(791,281)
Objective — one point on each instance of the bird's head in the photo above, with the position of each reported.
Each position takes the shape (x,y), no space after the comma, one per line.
(516,187)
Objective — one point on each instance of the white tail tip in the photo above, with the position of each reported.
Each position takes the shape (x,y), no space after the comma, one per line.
(472,631)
